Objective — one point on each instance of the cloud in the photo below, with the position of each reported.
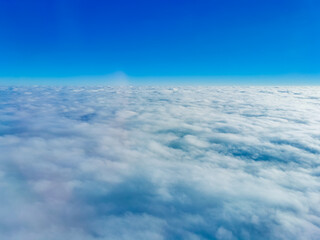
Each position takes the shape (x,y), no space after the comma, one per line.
(159,163)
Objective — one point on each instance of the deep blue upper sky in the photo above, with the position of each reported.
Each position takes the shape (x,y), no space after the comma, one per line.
(142,38)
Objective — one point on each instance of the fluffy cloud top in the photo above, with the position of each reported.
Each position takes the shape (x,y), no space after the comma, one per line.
(159,163)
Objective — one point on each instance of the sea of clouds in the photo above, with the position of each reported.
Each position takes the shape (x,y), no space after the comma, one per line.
(84,163)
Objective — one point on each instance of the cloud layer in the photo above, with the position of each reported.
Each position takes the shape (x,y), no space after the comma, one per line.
(159,163)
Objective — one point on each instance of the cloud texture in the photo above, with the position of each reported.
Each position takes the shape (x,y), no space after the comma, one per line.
(159,163)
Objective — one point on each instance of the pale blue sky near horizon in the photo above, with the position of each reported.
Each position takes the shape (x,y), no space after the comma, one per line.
(121,79)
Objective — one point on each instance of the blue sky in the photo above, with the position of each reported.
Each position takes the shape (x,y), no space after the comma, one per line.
(60,40)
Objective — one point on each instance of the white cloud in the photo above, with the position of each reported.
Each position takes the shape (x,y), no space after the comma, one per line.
(159,163)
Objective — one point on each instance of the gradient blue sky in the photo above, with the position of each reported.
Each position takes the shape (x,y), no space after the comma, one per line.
(159,39)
